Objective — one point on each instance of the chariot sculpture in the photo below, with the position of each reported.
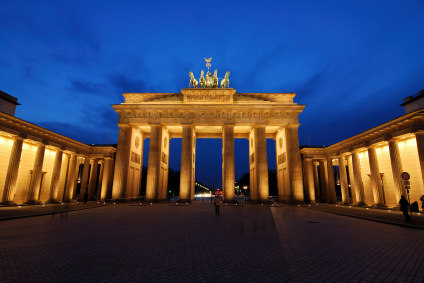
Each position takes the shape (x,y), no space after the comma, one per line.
(209,81)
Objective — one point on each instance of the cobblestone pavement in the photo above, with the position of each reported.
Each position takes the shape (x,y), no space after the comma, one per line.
(384,215)
(188,243)
(11,212)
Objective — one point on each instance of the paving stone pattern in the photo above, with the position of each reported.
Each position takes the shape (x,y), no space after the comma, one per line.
(188,243)
(392,216)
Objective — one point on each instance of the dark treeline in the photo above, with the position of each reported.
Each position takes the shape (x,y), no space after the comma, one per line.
(272,182)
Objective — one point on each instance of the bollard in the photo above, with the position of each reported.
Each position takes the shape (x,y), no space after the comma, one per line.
(203,199)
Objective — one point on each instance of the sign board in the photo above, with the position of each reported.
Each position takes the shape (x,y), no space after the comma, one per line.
(405,176)
(406,183)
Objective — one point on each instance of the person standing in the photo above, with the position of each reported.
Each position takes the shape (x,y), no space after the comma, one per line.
(404,207)
(85,197)
(422,199)
(217,203)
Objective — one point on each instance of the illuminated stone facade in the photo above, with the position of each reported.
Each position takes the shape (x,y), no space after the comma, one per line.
(209,113)
(374,160)
(38,165)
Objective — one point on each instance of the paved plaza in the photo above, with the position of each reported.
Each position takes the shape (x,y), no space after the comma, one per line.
(188,243)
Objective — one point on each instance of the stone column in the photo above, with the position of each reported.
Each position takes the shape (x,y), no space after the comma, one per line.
(396,169)
(122,161)
(352,179)
(343,180)
(316,181)
(323,181)
(106,178)
(12,171)
(359,187)
(310,187)
(420,147)
(377,190)
(261,163)
(70,182)
(229,175)
(37,172)
(331,181)
(100,185)
(186,162)
(84,177)
(294,163)
(54,185)
(93,179)
(153,163)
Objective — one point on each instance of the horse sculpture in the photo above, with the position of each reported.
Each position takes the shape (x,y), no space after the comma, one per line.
(202,80)
(215,79)
(193,81)
(225,82)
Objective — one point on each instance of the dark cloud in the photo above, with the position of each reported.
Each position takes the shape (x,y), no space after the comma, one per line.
(86,87)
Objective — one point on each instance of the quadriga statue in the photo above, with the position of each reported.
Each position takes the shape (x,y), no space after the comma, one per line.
(193,81)
(225,82)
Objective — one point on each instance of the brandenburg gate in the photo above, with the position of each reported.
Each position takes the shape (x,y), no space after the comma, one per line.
(206,110)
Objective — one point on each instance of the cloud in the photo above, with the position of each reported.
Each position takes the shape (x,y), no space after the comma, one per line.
(87,87)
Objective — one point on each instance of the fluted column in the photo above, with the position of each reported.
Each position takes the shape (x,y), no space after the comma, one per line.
(294,163)
(316,181)
(377,190)
(331,181)
(84,177)
(352,180)
(106,178)
(310,186)
(70,181)
(122,161)
(37,171)
(420,147)
(396,169)
(343,180)
(54,185)
(323,181)
(153,163)
(12,171)
(229,175)
(93,179)
(100,185)
(186,162)
(357,174)
(261,163)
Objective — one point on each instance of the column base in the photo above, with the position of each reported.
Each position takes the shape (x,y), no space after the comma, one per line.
(8,203)
(33,202)
(52,201)
(184,201)
(68,201)
(379,205)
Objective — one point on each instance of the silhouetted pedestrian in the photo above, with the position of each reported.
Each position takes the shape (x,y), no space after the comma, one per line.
(422,199)
(217,203)
(85,197)
(320,198)
(404,207)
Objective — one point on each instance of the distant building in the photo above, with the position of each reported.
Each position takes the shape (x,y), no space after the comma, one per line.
(414,102)
(8,103)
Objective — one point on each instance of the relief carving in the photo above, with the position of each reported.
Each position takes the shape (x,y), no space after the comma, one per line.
(164,158)
(281,158)
(135,157)
(252,158)
(208,98)
(212,115)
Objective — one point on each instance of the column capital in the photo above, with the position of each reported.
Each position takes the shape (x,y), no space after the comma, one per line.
(293,125)
(123,125)
(22,136)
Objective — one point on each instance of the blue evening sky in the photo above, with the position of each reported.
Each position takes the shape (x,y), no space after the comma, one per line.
(350,62)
